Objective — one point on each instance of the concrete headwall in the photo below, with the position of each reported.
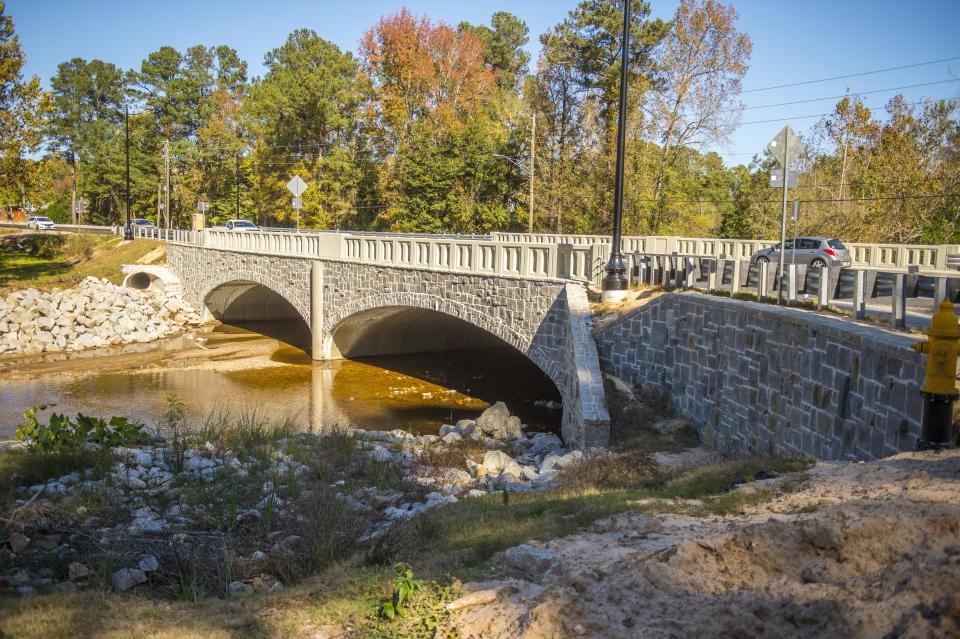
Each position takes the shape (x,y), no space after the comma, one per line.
(759,379)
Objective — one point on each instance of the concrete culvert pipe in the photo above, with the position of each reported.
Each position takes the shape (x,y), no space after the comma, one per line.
(142,281)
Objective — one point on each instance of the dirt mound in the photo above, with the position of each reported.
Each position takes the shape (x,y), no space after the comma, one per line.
(878,556)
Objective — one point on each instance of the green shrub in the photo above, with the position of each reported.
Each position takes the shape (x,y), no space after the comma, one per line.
(43,246)
(60,432)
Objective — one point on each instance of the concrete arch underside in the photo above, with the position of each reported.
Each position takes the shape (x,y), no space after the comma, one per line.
(390,324)
(248,296)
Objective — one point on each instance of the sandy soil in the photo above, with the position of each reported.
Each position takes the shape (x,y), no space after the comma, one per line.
(844,550)
(220,351)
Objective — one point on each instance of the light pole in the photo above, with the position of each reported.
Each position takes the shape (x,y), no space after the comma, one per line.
(615,282)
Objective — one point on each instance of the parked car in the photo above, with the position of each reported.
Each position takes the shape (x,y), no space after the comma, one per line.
(143,223)
(242,225)
(40,222)
(814,252)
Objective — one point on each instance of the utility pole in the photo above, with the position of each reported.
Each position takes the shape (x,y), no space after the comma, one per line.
(615,282)
(73,191)
(128,231)
(166,188)
(533,143)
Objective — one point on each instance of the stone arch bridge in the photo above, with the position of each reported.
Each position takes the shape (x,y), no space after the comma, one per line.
(381,294)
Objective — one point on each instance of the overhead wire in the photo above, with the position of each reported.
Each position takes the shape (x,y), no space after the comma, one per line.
(850,75)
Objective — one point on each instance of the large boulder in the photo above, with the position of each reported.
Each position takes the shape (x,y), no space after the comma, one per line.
(494,418)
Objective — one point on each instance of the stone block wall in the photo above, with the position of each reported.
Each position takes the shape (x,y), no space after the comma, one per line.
(759,379)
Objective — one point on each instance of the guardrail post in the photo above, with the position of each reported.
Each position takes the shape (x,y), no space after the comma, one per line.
(898,315)
(712,266)
(689,275)
(823,287)
(791,282)
(679,272)
(735,278)
(939,291)
(860,294)
(762,282)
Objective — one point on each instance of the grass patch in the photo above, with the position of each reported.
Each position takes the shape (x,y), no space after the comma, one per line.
(248,432)
(20,467)
(719,478)
(48,261)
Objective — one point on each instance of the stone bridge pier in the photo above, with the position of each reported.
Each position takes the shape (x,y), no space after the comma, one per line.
(356,309)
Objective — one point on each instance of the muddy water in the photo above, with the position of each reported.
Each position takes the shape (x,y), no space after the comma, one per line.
(239,370)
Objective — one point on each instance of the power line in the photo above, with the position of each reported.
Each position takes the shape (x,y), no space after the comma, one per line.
(813,201)
(820,115)
(858,93)
(851,75)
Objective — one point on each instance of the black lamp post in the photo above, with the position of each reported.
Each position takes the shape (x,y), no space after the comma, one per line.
(128,230)
(615,282)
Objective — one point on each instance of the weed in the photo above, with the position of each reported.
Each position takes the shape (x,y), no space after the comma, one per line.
(404,588)
(60,433)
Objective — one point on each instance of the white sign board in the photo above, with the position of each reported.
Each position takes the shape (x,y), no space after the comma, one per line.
(297,203)
(296,186)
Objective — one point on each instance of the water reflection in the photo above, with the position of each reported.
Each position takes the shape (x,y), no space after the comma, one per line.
(413,392)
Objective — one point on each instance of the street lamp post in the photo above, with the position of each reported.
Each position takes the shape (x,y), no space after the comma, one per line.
(128,230)
(615,282)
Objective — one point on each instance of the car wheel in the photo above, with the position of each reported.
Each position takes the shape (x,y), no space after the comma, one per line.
(763,259)
(817,263)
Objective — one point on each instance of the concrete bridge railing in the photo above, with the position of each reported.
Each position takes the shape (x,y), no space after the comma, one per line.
(449,253)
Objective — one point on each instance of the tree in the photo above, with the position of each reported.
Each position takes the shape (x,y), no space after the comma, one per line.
(503,44)
(433,120)
(22,108)
(702,60)
(305,117)
(86,105)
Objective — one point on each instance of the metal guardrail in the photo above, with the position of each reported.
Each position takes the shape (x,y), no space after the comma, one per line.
(926,257)
(856,286)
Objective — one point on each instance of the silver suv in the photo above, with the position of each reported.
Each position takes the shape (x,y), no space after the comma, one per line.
(814,252)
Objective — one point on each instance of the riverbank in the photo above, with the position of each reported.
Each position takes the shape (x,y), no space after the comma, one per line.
(757,546)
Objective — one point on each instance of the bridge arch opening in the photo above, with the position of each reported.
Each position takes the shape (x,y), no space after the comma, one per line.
(253,306)
(453,352)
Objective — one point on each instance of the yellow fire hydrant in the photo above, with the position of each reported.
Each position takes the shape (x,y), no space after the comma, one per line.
(940,381)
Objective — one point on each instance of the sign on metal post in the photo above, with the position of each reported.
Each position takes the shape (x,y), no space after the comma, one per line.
(297,186)
(785,147)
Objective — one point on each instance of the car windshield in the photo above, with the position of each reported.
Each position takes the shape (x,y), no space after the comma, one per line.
(243,223)
(836,244)
(43,219)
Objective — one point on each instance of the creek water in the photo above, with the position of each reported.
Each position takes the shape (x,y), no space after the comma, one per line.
(416,392)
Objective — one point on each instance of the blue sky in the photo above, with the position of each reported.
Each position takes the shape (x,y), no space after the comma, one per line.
(793,41)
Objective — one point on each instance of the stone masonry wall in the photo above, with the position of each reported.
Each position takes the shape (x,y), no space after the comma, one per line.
(758,379)
(533,316)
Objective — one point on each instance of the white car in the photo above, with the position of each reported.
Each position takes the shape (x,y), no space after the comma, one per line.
(40,222)
(241,225)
